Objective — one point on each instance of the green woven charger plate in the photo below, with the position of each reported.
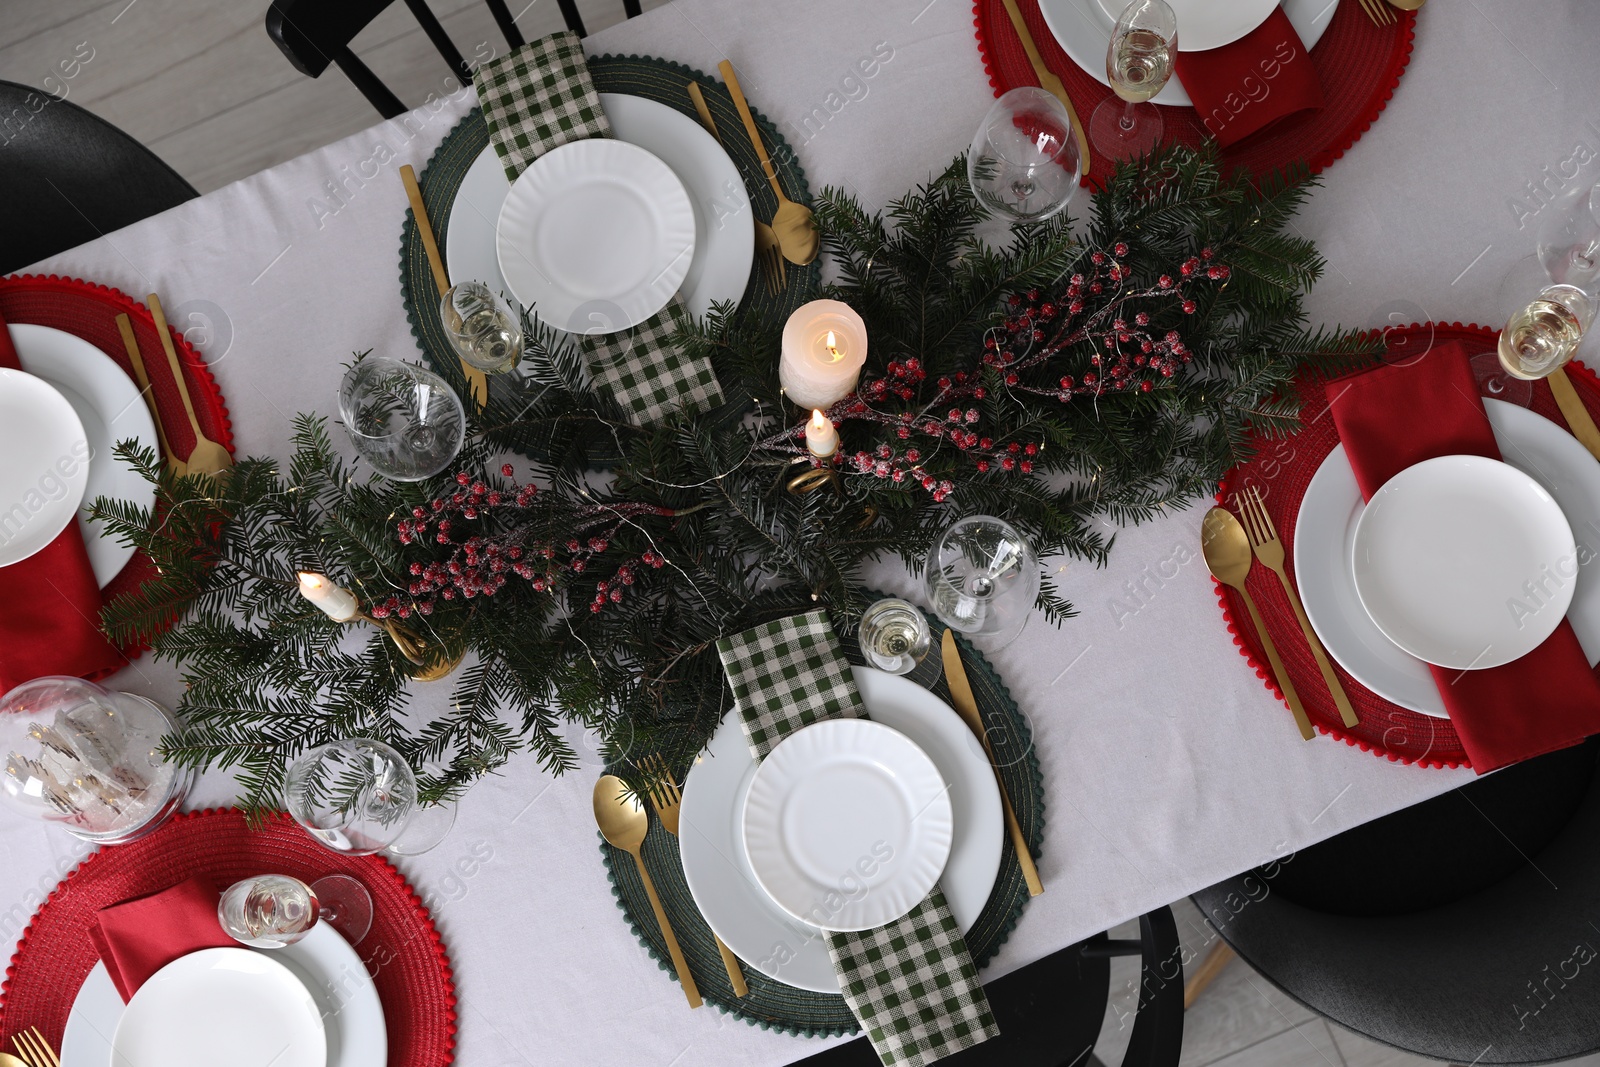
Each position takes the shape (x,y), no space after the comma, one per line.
(771,1004)
(654,79)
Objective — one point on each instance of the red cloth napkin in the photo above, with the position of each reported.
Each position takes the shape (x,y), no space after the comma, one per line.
(50,620)
(138,937)
(1250,83)
(1394,416)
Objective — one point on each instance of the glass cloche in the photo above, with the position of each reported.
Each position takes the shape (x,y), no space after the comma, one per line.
(87,759)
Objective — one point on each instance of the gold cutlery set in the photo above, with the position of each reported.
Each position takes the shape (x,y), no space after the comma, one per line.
(207,456)
(624,822)
(32,1051)
(1229,546)
(1379,11)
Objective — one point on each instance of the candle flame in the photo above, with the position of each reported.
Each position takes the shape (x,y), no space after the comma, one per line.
(832,345)
(308,580)
(818,421)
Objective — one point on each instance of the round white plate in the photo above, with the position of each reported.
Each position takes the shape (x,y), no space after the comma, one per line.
(339,983)
(596,235)
(221,1005)
(847,824)
(111,410)
(1448,555)
(44,464)
(718,871)
(1206,24)
(1083,29)
(724,230)
(1325,532)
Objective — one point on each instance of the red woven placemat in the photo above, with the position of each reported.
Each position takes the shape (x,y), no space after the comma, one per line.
(1359,64)
(90,311)
(403,952)
(1282,470)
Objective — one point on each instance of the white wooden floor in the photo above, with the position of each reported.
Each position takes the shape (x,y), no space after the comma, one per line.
(200,83)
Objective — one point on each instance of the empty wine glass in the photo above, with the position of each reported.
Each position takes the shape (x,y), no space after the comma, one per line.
(404,420)
(1138,64)
(1024,160)
(268,911)
(1569,239)
(1542,337)
(894,635)
(359,796)
(482,327)
(983,577)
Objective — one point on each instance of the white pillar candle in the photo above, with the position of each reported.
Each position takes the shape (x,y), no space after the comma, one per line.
(824,346)
(821,436)
(338,604)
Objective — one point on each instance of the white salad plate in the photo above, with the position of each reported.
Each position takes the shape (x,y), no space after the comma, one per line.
(1448,556)
(221,1005)
(345,996)
(109,406)
(1083,29)
(718,870)
(44,464)
(724,230)
(847,824)
(1205,24)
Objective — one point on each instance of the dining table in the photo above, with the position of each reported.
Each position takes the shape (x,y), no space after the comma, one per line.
(1168,764)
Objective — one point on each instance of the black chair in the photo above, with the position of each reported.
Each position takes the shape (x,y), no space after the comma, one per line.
(314,33)
(1050,1011)
(68,176)
(1465,928)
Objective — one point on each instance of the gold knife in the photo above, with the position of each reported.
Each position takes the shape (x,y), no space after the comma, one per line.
(967,707)
(1572,409)
(477,381)
(1049,82)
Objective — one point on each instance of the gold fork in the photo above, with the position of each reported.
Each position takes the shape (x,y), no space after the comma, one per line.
(667,797)
(1269,550)
(35,1050)
(1378,12)
(766,239)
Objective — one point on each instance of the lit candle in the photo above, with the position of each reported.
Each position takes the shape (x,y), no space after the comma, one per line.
(824,346)
(338,604)
(821,437)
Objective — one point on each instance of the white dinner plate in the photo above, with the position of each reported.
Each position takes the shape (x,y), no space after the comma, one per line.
(1206,24)
(345,994)
(44,464)
(111,410)
(724,231)
(1464,562)
(1325,531)
(221,1005)
(847,824)
(1083,29)
(718,871)
(595,235)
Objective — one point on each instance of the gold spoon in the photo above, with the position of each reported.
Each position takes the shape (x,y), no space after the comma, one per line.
(207,457)
(624,821)
(8,1060)
(1227,552)
(793,223)
(1407,5)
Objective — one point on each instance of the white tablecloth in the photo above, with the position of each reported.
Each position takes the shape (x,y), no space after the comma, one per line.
(1166,763)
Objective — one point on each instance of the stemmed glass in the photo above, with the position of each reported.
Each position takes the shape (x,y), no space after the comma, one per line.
(482,327)
(1569,238)
(275,910)
(1542,337)
(983,578)
(1024,160)
(1138,64)
(894,635)
(404,420)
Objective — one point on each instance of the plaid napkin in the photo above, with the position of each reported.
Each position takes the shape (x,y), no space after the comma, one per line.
(540,97)
(911,983)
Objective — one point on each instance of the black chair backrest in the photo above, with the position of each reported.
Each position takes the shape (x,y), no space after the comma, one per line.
(67,176)
(315,33)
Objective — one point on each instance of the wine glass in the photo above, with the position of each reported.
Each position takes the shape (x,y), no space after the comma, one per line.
(1138,64)
(482,327)
(268,911)
(404,420)
(1542,337)
(1024,161)
(894,635)
(1569,239)
(983,578)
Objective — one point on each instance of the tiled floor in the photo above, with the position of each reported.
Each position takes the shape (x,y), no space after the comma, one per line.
(200,83)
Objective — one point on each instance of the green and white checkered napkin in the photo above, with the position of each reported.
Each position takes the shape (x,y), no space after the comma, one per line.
(538,98)
(911,983)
